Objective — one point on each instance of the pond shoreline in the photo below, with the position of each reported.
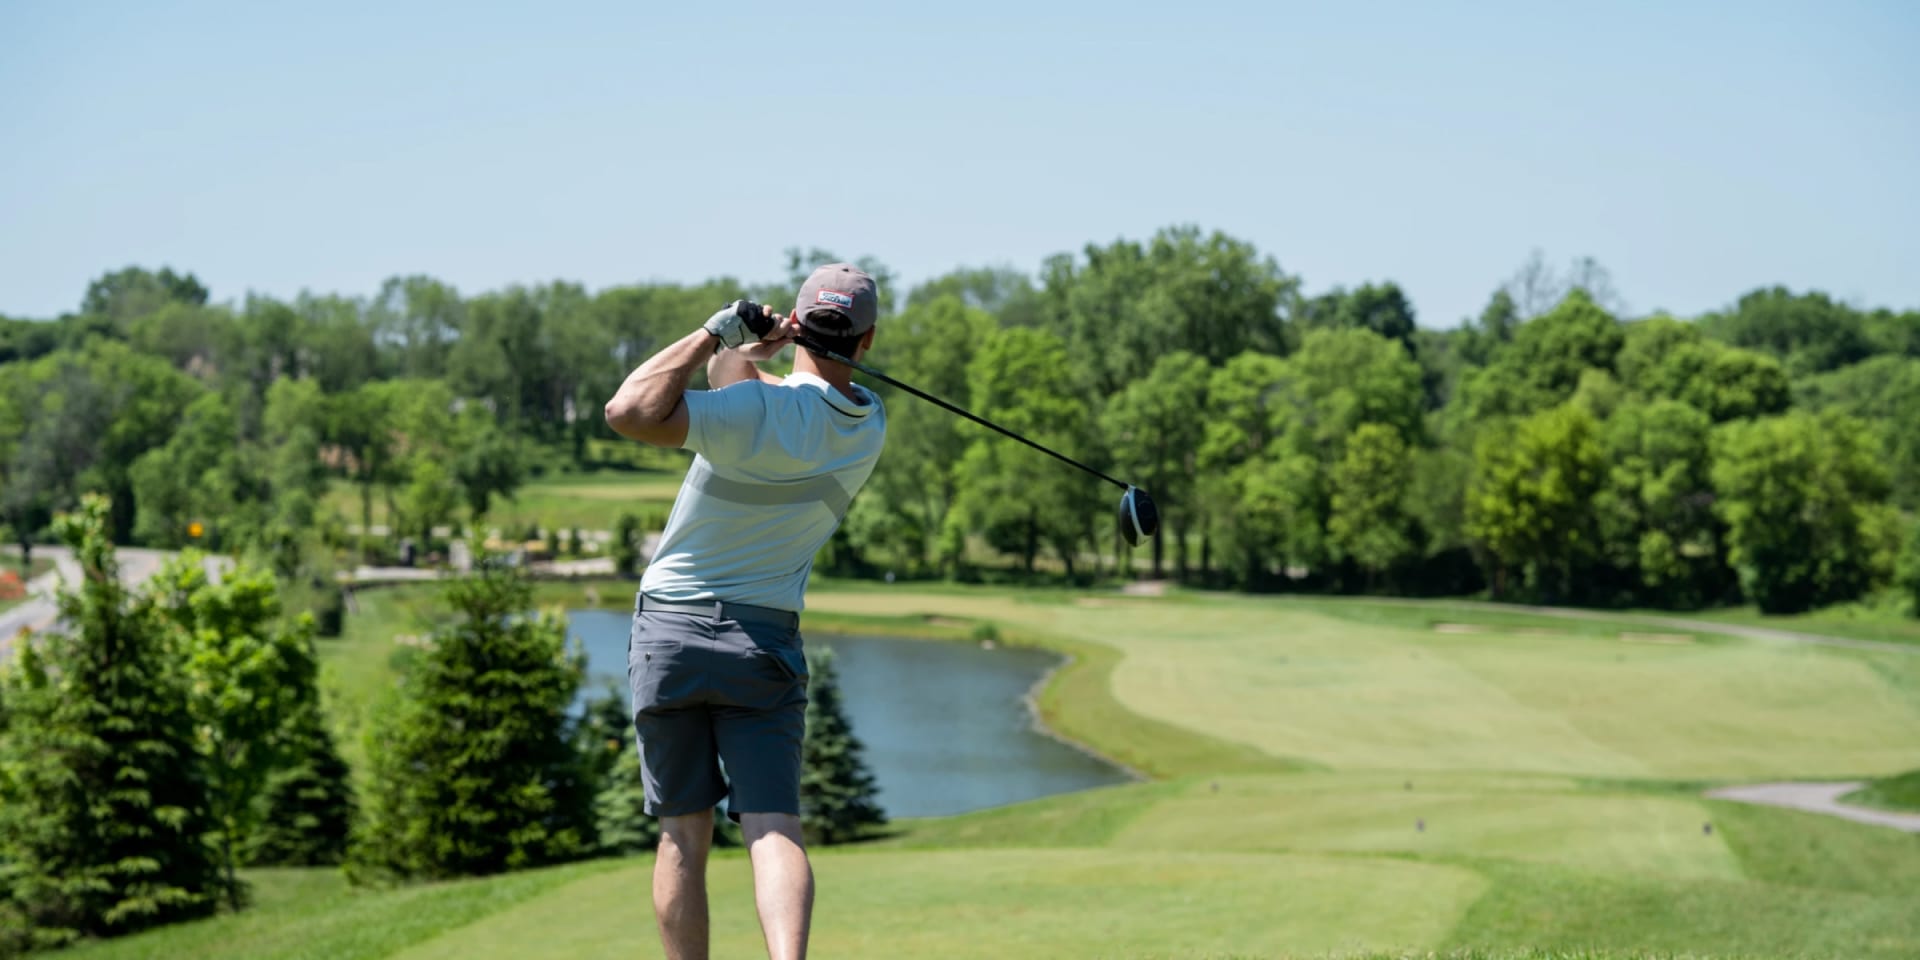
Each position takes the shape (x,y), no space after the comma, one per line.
(1031,699)
(937,717)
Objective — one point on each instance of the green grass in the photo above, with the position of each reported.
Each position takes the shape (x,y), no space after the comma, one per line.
(315,915)
(359,670)
(1890,793)
(585,501)
(1332,778)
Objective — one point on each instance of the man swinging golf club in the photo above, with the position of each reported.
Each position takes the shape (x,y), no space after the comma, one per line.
(714,662)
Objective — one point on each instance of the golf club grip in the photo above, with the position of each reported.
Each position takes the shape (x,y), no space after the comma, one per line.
(936,401)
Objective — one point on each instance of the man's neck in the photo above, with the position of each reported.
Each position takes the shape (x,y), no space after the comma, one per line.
(838,375)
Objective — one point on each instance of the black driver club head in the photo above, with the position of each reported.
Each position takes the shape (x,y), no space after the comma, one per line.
(1139,518)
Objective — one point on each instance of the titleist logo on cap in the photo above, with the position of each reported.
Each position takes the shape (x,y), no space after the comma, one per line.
(835,297)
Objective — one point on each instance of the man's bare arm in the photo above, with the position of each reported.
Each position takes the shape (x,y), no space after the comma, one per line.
(743,363)
(728,367)
(649,406)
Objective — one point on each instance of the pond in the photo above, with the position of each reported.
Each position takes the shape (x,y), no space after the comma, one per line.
(947,726)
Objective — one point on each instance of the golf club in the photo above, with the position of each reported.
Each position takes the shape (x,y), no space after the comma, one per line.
(1139,518)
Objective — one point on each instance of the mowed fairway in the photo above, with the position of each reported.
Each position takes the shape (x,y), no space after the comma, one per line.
(1338,778)
(1302,682)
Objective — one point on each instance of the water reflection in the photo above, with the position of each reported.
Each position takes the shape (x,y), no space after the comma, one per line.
(946,725)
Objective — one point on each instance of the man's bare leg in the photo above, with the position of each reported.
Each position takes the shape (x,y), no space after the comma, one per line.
(782,882)
(680,885)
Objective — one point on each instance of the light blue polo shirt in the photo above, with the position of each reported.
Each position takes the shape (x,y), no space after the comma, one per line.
(775,470)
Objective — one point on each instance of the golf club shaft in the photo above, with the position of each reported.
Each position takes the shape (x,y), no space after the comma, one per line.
(936,401)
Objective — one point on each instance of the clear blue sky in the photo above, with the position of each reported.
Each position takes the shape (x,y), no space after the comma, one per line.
(1696,149)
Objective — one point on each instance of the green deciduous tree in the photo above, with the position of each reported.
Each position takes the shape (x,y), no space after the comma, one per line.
(1343,378)
(417,319)
(336,341)
(85,417)
(1884,391)
(1655,507)
(1492,331)
(1367,523)
(1793,491)
(487,463)
(1005,294)
(1907,573)
(1294,419)
(131,292)
(1809,332)
(475,770)
(837,792)
(104,805)
(1542,365)
(903,510)
(1019,497)
(1528,501)
(195,476)
(430,498)
(1379,308)
(1129,304)
(1155,429)
(1664,358)
(250,673)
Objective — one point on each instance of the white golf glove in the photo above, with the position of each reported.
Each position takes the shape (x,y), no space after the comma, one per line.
(741,321)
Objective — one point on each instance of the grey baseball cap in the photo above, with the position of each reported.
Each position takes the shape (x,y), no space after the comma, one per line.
(838,300)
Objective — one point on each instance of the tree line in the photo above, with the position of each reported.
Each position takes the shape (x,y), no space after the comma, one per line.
(1552,448)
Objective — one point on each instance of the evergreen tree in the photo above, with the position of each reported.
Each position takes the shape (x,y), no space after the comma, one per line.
(837,801)
(626,544)
(307,807)
(476,770)
(104,801)
(620,809)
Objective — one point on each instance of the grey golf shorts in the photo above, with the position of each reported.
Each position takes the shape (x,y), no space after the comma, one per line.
(712,693)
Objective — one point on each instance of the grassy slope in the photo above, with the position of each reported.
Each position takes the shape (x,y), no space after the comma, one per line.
(1890,793)
(1441,808)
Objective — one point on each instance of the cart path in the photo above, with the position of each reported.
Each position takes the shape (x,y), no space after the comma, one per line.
(39,611)
(1822,798)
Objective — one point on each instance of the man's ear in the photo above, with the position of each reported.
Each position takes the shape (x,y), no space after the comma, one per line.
(866,341)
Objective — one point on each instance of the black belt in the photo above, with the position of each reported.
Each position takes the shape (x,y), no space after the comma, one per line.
(721,610)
